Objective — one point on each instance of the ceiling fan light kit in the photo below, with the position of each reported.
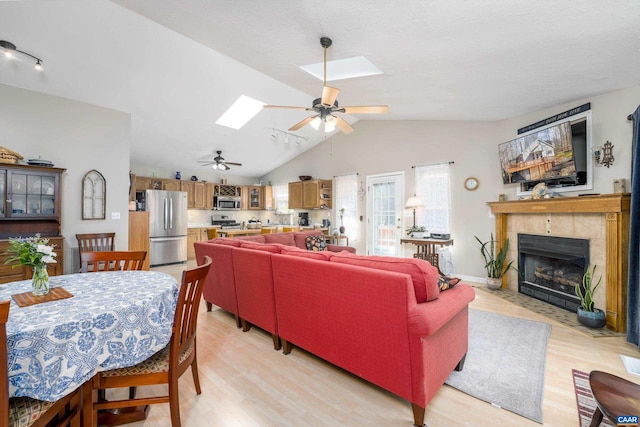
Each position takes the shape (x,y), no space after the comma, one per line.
(219,163)
(327,106)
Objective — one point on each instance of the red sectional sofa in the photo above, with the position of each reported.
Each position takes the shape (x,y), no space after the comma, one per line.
(383,319)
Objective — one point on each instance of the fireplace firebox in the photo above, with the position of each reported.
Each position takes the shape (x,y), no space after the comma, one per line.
(549,268)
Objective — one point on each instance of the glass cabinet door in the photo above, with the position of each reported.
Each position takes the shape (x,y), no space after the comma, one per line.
(254,198)
(32,194)
(18,194)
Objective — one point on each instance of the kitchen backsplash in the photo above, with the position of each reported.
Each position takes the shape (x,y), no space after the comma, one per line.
(198,217)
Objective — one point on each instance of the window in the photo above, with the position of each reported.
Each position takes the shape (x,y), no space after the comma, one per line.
(281,198)
(345,195)
(433,187)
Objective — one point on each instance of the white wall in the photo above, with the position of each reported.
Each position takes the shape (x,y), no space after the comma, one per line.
(78,137)
(386,146)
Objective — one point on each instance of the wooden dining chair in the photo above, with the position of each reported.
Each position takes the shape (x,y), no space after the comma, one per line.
(22,411)
(95,242)
(212,233)
(164,367)
(112,261)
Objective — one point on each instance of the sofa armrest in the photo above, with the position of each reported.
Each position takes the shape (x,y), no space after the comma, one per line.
(427,317)
(338,248)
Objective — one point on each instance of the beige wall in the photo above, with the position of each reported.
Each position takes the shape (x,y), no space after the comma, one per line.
(78,137)
(388,146)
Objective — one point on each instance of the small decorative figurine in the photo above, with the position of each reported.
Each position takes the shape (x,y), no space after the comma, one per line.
(178,176)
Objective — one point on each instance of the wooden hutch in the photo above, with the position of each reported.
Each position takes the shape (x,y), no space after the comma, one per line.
(31,204)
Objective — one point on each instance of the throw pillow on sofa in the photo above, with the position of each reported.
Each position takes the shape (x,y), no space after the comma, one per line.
(316,243)
(447,282)
(424,276)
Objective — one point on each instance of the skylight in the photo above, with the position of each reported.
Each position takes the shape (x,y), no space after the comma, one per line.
(347,68)
(240,112)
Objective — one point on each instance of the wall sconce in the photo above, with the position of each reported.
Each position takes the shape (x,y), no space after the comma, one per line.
(277,133)
(10,48)
(361,191)
(604,155)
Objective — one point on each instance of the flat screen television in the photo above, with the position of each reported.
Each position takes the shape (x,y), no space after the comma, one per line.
(555,155)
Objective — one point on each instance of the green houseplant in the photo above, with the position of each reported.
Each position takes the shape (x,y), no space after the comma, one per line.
(495,261)
(411,231)
(587,313)
(33,252)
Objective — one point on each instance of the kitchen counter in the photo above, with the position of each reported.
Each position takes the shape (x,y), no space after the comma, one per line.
(231,232)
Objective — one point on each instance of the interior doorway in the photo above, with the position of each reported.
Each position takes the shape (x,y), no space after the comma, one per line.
(384,213)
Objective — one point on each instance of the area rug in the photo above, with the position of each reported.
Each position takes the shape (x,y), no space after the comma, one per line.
(585,400)
(505,365)
(565,317)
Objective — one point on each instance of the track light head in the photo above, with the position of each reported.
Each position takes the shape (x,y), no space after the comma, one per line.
(10,50)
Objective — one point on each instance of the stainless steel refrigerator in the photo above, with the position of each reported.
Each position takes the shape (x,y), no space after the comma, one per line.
(167,226)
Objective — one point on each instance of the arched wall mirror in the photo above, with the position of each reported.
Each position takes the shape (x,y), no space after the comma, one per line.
(94,195)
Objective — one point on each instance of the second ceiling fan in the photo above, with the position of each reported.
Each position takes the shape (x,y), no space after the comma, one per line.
(327,106)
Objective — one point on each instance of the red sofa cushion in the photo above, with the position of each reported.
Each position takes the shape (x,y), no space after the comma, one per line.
(226,241)
(282,238)
(258,238)
(295,251)
(423,275)
(261,247)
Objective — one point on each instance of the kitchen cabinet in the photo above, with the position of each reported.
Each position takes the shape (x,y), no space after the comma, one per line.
(139,234)
(312,194)
(147,183)
(172,185)
(268,197)
(209,191)
(256,197)
(195,235)
(199,195)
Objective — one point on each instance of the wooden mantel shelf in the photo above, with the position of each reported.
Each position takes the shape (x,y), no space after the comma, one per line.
(586,204)
(615,208)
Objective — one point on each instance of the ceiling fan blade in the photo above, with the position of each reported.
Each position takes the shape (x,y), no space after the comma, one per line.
(343,125)
(302,123)
(208,164)
(286,106)
(366,109)
(329,95)
(232,163)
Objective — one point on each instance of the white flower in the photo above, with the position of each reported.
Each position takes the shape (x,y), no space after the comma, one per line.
(44,249)
(48,259)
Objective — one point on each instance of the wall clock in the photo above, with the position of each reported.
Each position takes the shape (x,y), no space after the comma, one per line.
(471,183)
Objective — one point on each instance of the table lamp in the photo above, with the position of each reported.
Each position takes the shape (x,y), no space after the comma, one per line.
(413,203)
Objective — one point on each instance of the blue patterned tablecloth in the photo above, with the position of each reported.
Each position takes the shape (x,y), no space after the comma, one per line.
(114,319)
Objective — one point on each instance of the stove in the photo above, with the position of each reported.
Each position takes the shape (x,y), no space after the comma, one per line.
(225,222)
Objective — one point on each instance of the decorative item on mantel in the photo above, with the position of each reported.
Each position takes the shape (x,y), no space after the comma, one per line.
(8,156)
(33,252)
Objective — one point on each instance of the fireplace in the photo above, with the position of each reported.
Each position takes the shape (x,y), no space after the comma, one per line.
(550,267)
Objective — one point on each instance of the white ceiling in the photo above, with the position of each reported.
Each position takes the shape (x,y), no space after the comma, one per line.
(453,60)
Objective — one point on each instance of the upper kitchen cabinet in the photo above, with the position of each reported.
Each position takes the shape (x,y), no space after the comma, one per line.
(312,194)
(256,197)
(147,183)
(172,185)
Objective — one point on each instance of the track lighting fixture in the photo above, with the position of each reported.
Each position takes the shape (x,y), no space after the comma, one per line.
(276,133)
(10,49)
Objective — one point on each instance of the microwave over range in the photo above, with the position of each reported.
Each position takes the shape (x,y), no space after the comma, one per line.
(227,203)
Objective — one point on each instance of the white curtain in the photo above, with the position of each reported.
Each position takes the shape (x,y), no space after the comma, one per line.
(345,196)
(433,187)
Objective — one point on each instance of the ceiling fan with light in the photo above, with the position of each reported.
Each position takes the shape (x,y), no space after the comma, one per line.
(327,106)
(219,163)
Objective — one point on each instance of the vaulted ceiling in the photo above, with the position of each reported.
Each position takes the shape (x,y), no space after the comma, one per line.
(453,60)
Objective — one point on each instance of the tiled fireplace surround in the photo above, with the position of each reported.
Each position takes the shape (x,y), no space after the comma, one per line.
(602,219)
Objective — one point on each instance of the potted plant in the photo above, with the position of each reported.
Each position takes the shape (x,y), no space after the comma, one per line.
(588,314)
(417,231)
(495,262)
(342,229)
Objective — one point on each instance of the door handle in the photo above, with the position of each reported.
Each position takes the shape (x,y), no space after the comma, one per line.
(170,213)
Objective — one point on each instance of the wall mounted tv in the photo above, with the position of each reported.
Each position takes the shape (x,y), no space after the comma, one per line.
(556,155)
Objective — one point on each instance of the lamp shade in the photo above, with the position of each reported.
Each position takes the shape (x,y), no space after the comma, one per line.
(414,202)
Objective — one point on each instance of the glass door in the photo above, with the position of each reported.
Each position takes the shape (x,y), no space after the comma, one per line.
(384,213)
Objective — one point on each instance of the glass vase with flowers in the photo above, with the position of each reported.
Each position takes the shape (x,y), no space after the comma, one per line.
(33,252)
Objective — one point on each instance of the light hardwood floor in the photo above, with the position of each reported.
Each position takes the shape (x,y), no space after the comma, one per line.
(247,383)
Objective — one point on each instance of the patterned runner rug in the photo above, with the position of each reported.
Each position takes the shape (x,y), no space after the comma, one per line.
(585,400)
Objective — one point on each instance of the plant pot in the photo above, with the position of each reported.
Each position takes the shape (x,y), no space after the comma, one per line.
(494,283)
(592,319)
(419,234)
(342,229)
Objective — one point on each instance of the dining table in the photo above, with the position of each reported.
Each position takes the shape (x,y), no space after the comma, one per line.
(111,320)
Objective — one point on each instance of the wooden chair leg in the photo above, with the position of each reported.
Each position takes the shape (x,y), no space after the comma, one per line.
(209,306)
(596,419)
(276,342)
(418,415)
(174,402)
(238,322)
(194,373)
